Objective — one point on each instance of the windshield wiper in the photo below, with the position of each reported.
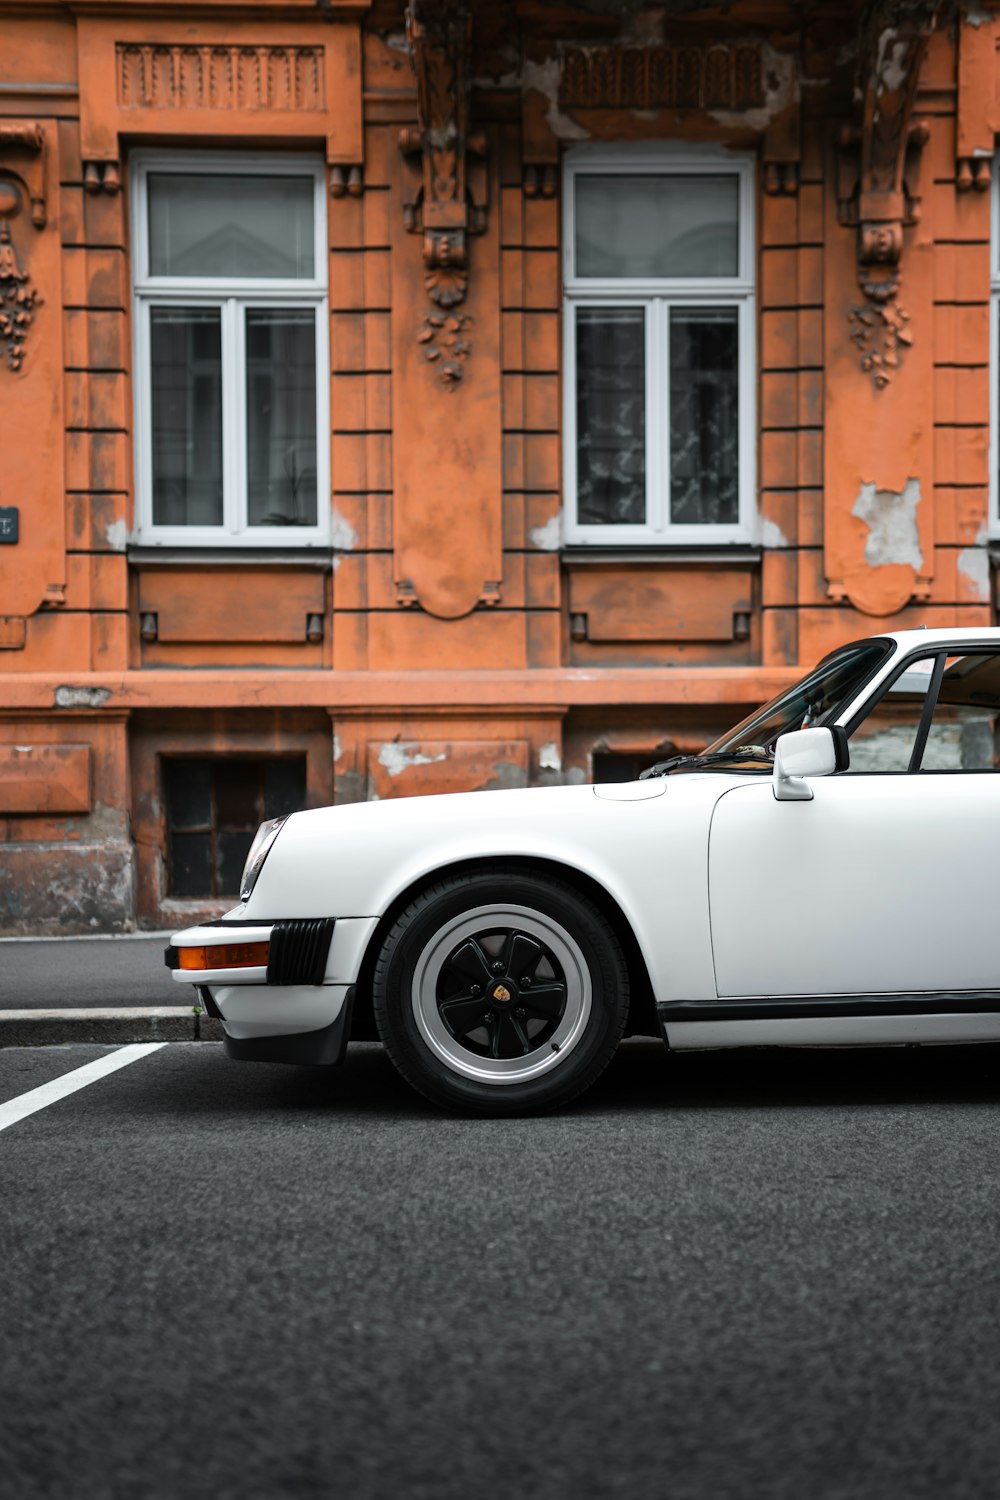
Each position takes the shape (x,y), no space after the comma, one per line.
(697,762)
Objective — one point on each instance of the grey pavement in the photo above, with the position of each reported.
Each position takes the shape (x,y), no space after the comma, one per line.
(755,1276)
(50,973)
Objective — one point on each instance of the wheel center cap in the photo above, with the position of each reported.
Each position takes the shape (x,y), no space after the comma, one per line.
(501,993)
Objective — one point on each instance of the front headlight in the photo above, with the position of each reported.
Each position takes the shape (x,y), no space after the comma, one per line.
(259,850)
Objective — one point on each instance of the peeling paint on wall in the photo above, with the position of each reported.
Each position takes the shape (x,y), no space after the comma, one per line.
(771,534)
(116,535)
(398,758)
(549,536)
(342,534)
(544,79)
(507,777)
(974,563)
(891,518)
(549,758)
(977,15)
(81,697)
(781,88)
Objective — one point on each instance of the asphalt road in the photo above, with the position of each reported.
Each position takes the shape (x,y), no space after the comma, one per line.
(754,1275)
(84,972)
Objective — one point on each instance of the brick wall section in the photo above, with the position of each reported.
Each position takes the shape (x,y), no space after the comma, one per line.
(790,236)
(361,403)
(961,376)
(93,630)
(532,455)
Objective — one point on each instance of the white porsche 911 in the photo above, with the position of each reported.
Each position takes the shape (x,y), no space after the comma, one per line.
(823,875)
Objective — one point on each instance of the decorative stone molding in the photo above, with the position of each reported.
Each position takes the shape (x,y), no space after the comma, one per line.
(723,76)
(164,75)
(447,340)
(446,190)
(973,172)
(540,180)
(878,173)
(101,177)
(347,181)
(22,155)
(22,177)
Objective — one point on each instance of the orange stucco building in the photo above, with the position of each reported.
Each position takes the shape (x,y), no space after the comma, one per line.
(479,393)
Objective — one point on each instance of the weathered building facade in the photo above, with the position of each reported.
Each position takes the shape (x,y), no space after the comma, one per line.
(476,394)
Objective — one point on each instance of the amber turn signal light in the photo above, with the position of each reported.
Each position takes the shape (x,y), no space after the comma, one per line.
(225,956)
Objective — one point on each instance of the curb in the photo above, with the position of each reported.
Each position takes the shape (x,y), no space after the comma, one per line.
(161,1023)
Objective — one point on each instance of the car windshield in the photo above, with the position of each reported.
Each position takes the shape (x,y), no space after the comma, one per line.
(813,701)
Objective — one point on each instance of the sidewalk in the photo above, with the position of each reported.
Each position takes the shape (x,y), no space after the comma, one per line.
(110,990)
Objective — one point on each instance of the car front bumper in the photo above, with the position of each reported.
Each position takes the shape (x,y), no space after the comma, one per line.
(303,983)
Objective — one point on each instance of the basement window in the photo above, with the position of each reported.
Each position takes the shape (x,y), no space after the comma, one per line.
(213,808)
(230,361)
(659,325)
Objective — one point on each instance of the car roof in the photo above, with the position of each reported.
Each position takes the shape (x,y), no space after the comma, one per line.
(909,638)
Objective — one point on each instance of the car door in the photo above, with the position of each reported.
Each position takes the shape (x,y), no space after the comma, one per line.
(883,883)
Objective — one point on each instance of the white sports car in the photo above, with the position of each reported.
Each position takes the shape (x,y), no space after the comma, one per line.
(823,875)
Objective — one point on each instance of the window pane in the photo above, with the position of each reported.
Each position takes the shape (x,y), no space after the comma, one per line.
(284,787)
(611,416)
(230,226)
(884,740)
(648,225)
(704,415)
(281,417)
(186,400)
(190,856)
(963,732)
(188,785)
(232,850)
(237,794)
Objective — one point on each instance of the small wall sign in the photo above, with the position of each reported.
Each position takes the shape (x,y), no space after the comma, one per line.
(8,524)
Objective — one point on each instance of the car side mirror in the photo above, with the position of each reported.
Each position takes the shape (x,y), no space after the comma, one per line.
(807,752)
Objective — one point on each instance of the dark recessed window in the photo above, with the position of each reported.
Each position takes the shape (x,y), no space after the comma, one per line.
(213,808)
(611,766)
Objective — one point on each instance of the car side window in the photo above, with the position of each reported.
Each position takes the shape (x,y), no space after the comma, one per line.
(884,740)
(962,734)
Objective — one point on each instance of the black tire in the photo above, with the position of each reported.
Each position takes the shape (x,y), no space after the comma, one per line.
(501,993)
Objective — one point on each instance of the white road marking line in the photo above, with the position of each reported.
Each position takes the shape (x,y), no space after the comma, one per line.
(79,1078)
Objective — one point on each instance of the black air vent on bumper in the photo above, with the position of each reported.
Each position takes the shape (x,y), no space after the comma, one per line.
(299,951)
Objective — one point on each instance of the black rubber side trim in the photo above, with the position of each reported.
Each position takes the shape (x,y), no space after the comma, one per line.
(172,957)
(324,1048)
(211,1009)
(841,747)
(299,950)
(807,1007)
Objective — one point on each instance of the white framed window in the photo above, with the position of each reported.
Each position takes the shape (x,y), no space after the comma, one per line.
(231,361)
(659,418)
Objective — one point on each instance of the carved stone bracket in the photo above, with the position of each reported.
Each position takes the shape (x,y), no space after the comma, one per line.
(973,172)
(878,172)
(22,177)
(540,179)
(446,189)
(782,152)
(347,182)
(102,177)
(22,154)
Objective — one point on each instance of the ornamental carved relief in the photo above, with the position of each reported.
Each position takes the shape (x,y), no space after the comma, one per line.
(679,77)
(164,75)
(22,182)
(445,187)
(878,174)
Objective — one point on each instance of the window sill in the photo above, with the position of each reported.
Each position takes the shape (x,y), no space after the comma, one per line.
(319,556)
(734,554)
